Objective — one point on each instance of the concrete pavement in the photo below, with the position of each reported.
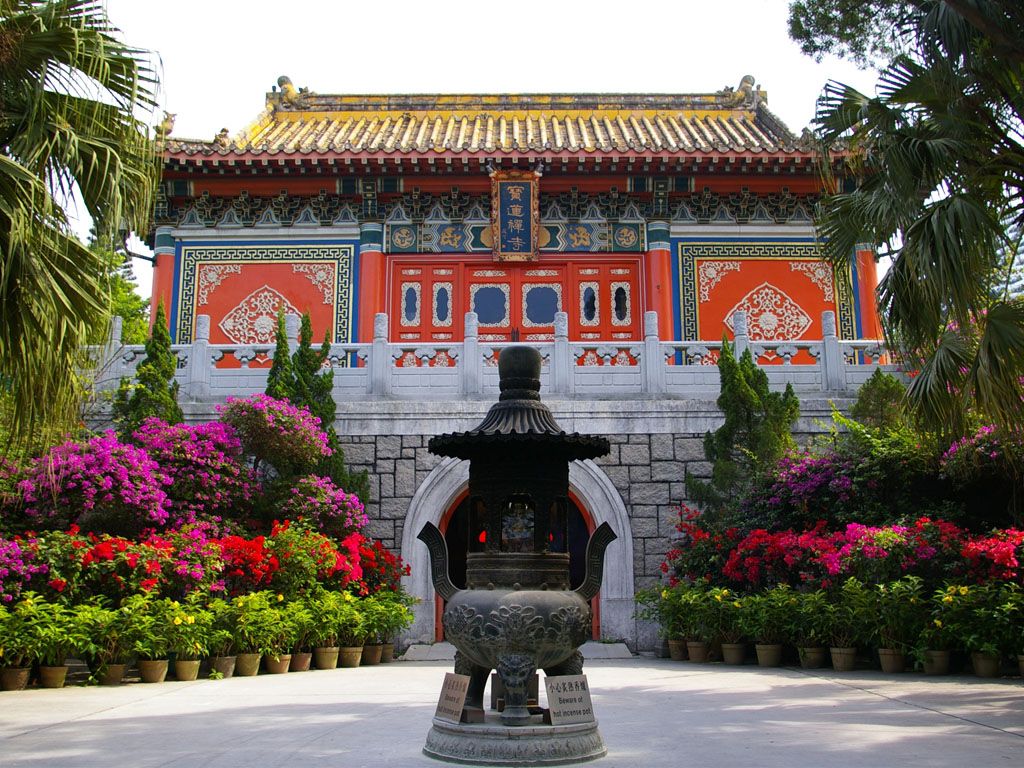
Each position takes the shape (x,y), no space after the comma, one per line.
(652,712)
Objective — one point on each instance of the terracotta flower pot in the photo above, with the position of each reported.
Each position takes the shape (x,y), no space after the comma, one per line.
(277,665)
(113,674)
(892,661)
(186,670)
(985,664)
(387,653)
(223,664)
(14,678)
(371,654)
(350,656)
(734,653)
(53,677)
(936,662)
(677,650)
(247,664)
(812,658)
(300,661)
(697,651)
(843,659)
(768,654)
(325,657)
(153,670)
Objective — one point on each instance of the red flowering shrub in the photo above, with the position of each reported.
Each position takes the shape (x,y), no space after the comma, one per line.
(248,565)
(997,556)
(381,569)
(698,553)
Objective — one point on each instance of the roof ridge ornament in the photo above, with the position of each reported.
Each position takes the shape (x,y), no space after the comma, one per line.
(746,95)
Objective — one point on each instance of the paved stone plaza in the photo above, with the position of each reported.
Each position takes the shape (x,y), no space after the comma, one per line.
(652,712)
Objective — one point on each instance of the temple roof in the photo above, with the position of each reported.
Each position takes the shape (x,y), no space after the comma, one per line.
(300,123)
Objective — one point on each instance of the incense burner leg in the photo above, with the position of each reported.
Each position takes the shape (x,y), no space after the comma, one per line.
(515,671)
(477,680)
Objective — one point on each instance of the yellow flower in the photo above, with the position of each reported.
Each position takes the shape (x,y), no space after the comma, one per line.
(664,594)
(177,620)
(951,589)
(947,599)
(725,592)
(938,623)
(963,590)
(737,603)
(280,597)
(190,619)
(718,598)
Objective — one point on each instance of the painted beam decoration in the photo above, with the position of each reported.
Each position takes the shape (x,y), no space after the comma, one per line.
(515,214)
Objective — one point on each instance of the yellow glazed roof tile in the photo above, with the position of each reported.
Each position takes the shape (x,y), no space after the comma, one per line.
(731,120)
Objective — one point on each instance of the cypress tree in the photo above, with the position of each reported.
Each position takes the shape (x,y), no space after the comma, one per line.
(156,391)
(755,435)
(281,378)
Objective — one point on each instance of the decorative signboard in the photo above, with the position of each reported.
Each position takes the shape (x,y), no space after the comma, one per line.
(453,697)
(569,699)
(515,214)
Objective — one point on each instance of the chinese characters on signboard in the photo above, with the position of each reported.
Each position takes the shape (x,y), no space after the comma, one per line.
(514,215)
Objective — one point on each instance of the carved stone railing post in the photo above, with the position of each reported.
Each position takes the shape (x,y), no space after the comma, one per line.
(291,329)
(833,374)
(739,329)
(652,363)
(561,358)
(200,364)
(470,364)
(380,357)
(110,366)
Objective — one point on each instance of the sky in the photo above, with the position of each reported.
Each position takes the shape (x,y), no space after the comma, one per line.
(218,58)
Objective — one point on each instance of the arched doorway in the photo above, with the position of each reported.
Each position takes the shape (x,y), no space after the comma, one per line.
(593,491)
(454,525)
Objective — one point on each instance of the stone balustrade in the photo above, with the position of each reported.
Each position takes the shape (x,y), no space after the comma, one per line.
(650,368)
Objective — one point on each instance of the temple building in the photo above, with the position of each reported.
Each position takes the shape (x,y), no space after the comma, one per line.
(622,234)
(514,207)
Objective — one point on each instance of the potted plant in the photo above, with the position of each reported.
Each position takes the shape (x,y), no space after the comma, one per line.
(351,632)
(248,642)
(848,614)
(396,616)
(765,618)
(301,618)
(899,610)
(724,611)
(373,612)
(108,654)
(60,634)
(936,637)
(983,623)
(145,632)
(691,620)
(324,606)
(19,645)
(809,628)
(662,605)
(222,638)
(189,628)
(276,635)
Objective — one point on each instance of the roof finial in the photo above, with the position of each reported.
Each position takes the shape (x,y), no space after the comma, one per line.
(744,96)
(290,95)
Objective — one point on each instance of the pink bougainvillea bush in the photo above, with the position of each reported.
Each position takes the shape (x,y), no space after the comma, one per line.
(277,433)
(100,484)
(325,506)
(206,476)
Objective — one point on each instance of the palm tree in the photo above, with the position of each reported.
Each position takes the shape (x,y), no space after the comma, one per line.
(938,159)
(70,99)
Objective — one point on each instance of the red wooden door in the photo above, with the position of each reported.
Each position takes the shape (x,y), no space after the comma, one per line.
(605,302)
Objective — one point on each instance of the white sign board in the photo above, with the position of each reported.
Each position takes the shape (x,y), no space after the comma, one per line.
(569,699)
(452,698)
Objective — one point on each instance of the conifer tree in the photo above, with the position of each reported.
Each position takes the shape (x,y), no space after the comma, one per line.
(281,378)
(156,391)
(303,380)
(755,435)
